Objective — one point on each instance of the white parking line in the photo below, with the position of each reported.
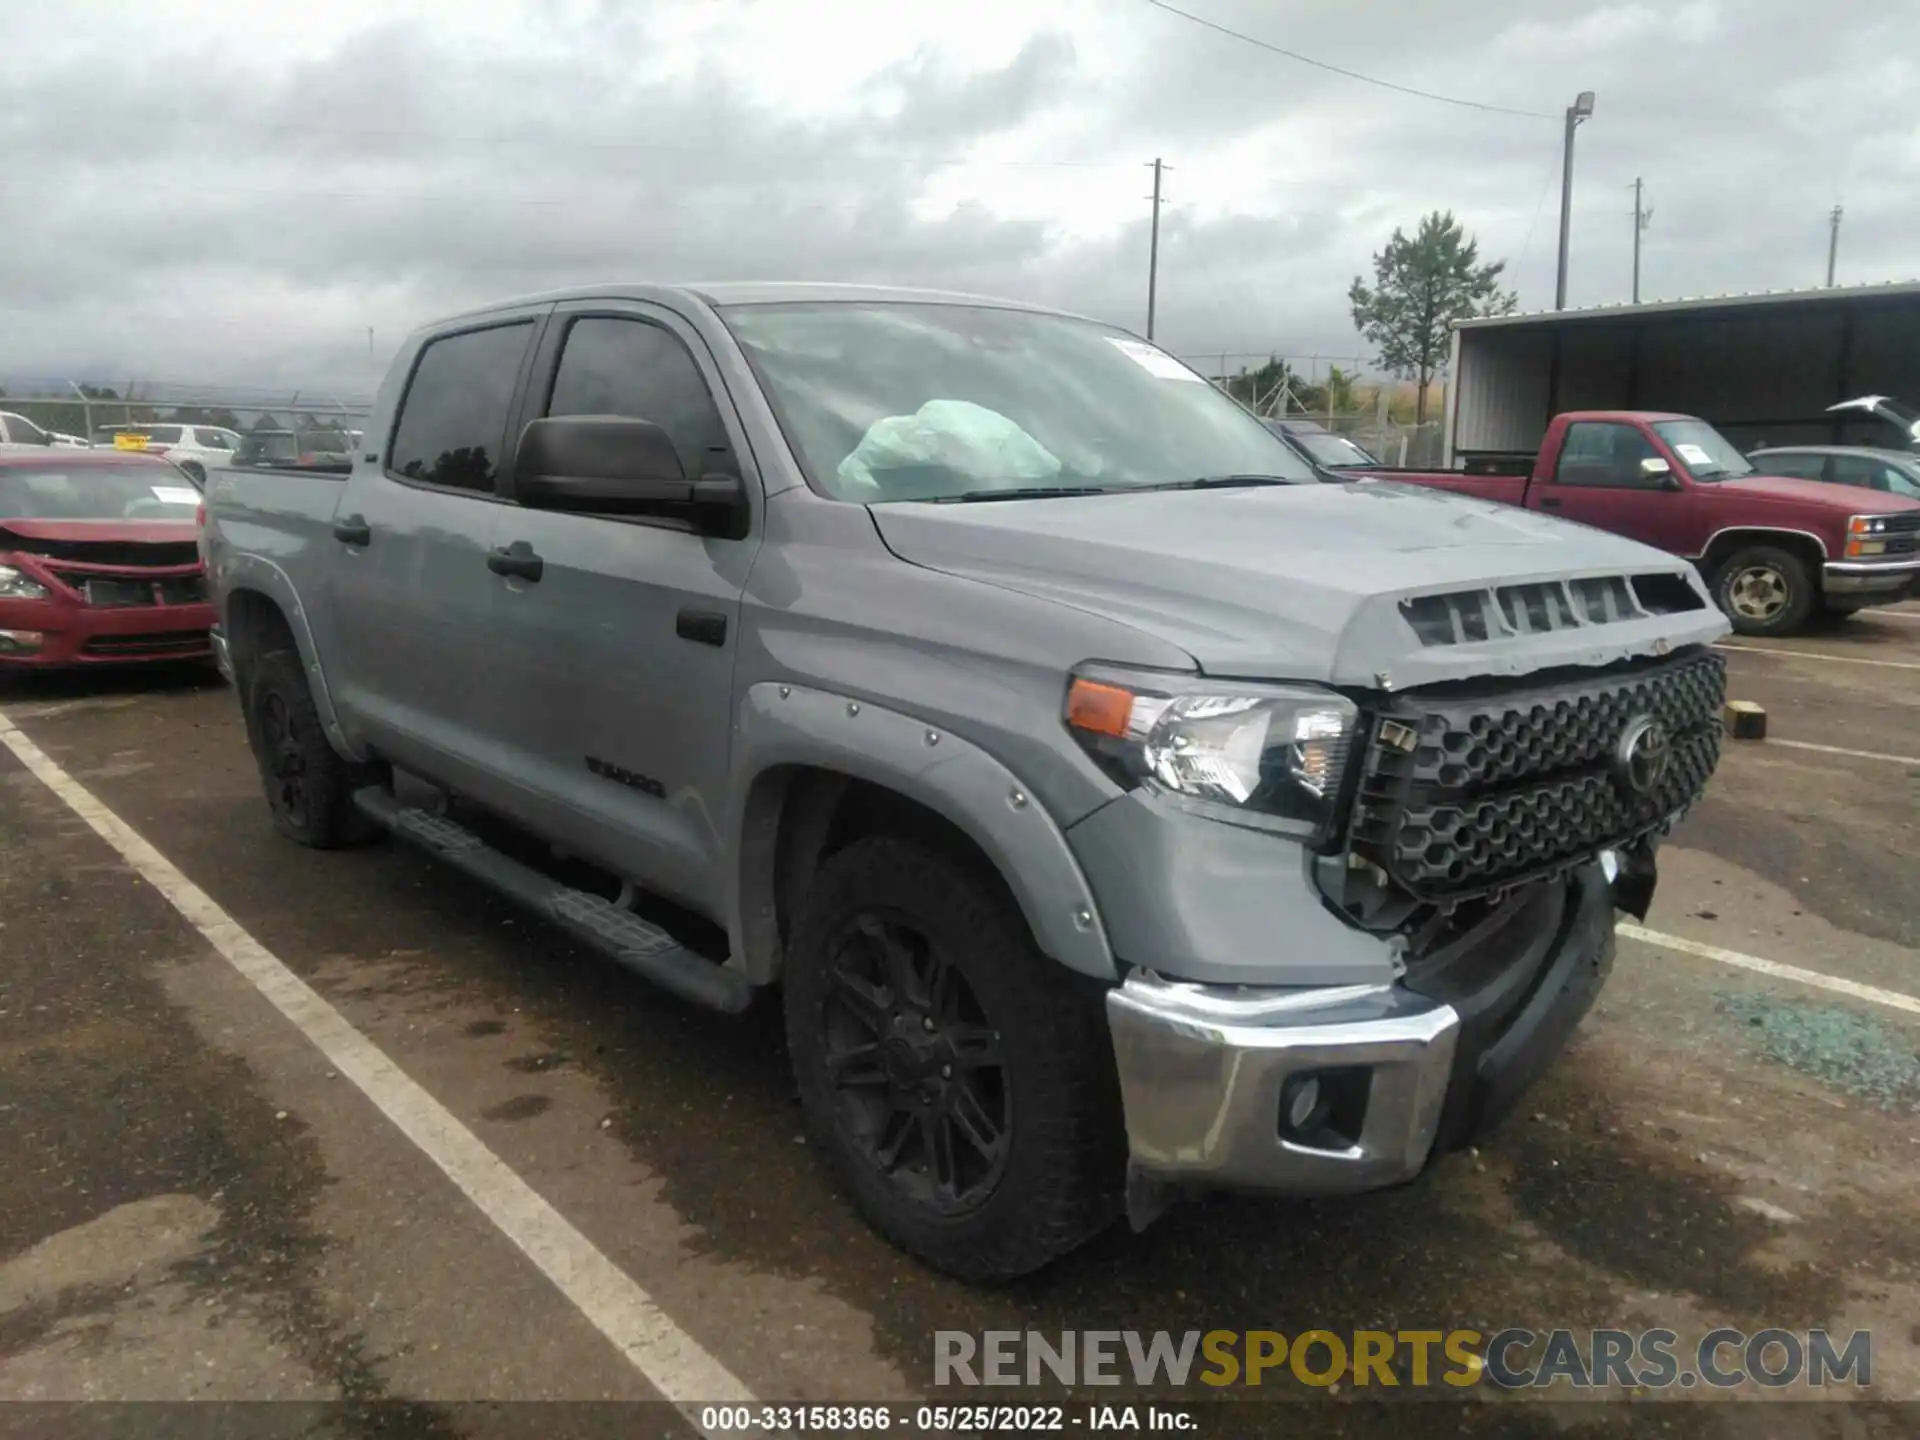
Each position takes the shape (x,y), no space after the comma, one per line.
(1814,655)
(1838,750)
(1853,989)
(667,1357)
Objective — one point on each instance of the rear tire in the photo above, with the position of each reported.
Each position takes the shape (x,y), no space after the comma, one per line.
(1764,590)
(309,787)
(195,471)
(959,1083)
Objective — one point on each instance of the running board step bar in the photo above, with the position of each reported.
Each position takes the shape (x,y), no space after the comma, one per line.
(617,933)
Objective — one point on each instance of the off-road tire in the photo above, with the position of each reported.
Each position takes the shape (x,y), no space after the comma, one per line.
(309,787)
(1062,1178)
(1741,579)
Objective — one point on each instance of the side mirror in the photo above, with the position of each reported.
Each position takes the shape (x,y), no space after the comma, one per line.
(1656,470)
(616,465)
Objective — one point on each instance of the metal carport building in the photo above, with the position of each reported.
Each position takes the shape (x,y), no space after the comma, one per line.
(1762,367)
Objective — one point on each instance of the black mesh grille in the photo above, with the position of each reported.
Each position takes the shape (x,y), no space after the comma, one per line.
(1906,522)
(1470,792)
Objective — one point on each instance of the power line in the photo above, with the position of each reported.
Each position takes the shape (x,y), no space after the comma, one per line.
(1349,74)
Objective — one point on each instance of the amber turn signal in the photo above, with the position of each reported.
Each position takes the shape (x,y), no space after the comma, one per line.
(1099,709)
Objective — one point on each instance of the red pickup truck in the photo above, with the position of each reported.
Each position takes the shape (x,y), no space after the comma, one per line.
(1776,551)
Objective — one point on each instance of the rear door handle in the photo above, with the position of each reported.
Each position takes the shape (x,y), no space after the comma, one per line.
(353,530)
(517,560)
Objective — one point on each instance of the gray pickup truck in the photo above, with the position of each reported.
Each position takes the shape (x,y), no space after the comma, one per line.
(1118,812)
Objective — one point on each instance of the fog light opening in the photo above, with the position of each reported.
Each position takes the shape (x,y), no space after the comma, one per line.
(20,642)
(1325,1109)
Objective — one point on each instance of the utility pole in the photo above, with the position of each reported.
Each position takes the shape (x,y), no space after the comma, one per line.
(1153,247)
(1581,109)
(1642,217)
(1833,244)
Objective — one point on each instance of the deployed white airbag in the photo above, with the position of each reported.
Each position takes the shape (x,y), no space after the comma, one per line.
(982,448)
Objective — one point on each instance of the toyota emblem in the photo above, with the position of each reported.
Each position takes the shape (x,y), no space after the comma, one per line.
(1640,760)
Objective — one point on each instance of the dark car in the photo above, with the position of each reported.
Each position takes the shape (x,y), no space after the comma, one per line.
(1332,456)
(1892,472)
(99,561)
(296,450)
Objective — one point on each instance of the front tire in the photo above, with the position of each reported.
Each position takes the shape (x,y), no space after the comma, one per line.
(1764,590)
(959,1083)
(309,787)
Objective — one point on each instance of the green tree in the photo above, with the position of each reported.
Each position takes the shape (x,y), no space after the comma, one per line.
(1420,288)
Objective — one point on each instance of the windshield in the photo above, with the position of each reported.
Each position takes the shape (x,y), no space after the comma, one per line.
(96,492)
(1706,453)
(899,401)
(1334,451)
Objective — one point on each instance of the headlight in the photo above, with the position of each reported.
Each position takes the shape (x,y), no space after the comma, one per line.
(1867,525)
(1276,752)
(15,586)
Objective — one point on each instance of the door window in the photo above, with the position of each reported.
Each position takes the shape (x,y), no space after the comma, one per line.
(453,418)
(213,439)
(615,366)
(1873,474)
(1599,452)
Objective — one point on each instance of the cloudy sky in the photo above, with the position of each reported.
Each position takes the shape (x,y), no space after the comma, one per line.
(238,193)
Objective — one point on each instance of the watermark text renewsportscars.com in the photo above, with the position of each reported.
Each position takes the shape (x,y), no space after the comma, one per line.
(1512,1359)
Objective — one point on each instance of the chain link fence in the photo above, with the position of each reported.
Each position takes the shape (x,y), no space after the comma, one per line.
(92,411)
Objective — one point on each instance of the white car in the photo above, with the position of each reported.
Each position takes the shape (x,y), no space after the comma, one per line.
(192,447)
(18,430)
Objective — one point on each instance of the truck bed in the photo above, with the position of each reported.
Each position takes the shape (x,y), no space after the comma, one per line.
(1507,489)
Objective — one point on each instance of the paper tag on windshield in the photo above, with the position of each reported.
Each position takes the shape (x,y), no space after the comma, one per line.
(1694,455)
(175,494)
(1154,362)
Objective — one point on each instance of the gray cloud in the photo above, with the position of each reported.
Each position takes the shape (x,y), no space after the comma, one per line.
(251,227)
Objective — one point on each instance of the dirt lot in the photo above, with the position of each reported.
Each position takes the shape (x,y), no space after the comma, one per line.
(198,1201)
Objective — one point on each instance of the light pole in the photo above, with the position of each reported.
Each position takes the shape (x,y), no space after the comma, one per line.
(1581,108)
(86,407)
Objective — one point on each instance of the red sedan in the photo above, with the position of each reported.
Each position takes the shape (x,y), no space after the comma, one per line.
(98,560)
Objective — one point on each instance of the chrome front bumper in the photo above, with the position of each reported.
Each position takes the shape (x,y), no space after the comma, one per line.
(222,656)
(1204,1068)
(1870,577)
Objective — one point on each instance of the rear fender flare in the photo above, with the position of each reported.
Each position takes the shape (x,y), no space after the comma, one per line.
(263,577)
(788,725)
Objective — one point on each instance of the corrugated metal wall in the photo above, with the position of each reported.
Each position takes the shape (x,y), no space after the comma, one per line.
(1502,388)
(1763,374)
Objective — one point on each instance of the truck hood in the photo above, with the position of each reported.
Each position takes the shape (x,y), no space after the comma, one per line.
(1840,499)
(66,532)
(1296,582)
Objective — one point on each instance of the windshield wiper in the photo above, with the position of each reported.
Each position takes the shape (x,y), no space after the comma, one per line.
(1024,492)
(1221,482)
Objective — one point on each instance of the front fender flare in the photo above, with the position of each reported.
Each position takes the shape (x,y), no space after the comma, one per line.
(790,725)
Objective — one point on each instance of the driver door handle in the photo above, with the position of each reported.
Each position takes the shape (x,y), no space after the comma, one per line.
(353,530)
(518,561)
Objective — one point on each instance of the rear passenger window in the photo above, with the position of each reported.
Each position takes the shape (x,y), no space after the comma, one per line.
(629,367)
(162,434)
(454,416)
(212,440)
